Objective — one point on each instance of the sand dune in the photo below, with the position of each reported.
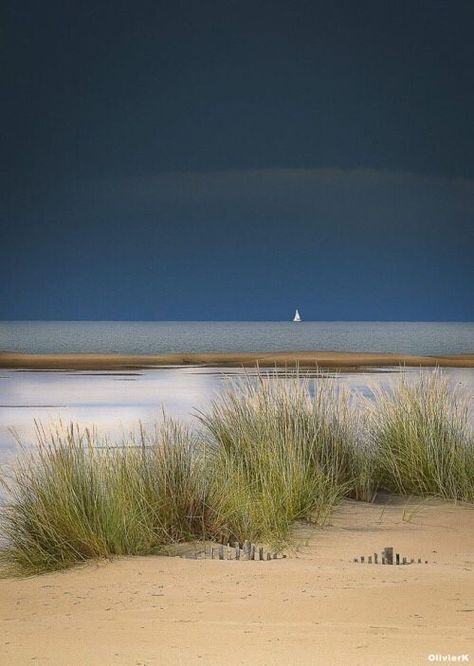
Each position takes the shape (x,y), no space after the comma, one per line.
(264,359)
(316,607)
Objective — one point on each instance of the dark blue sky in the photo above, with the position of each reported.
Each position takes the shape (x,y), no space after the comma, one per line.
(235,160)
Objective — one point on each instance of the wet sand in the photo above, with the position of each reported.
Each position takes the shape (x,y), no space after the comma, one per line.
(316,607)
(341,360)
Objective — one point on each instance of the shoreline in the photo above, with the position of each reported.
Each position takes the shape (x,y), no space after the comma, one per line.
(305,359)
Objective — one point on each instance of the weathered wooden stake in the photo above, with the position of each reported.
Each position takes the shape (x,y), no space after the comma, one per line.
(246,550)
(362,559)
(397,556)
(376,558)
(237,550)
(383,560)
(221,552)
(404,561)
(260,553)
(269,556)
(252,552)
(370,559)
(389,554)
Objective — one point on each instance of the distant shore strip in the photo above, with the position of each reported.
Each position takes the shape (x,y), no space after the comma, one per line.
(305,359)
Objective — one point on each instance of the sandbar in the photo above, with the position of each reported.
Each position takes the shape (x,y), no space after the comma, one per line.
(310,359)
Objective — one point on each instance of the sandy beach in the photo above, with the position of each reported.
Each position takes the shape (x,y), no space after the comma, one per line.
(265,359)
(315,607)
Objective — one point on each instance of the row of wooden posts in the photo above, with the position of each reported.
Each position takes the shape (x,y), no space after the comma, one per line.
(248,551)
(387,558)
(235,551)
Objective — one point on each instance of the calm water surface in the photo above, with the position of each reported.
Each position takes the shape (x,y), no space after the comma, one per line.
(116,401)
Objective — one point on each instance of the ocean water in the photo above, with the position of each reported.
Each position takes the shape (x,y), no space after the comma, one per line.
(169,337)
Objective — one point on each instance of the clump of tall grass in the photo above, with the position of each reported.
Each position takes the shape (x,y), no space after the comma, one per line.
(423,434)
(173,467)
(73,498)
(284,449)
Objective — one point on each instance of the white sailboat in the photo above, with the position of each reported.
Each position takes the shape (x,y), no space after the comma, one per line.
(297,316)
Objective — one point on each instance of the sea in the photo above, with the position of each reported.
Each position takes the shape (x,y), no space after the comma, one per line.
(115,402)
(146,337)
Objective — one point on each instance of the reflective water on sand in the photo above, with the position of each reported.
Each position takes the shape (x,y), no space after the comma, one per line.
(116,401)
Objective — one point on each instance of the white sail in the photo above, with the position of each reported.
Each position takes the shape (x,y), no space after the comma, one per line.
(297,316)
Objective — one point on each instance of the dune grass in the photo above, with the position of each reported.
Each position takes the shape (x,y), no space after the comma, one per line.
(285,449)
(269,451)
(422,432)
(74,497)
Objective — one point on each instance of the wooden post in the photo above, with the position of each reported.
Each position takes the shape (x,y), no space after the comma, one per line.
(237,550)
(404,561)
(383,560)
(389,554)
(246,550)
(397,556)
(221,552)
(376,558)
(260,553)
(362,559)
(252,552)
(370,559)
(269,557)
